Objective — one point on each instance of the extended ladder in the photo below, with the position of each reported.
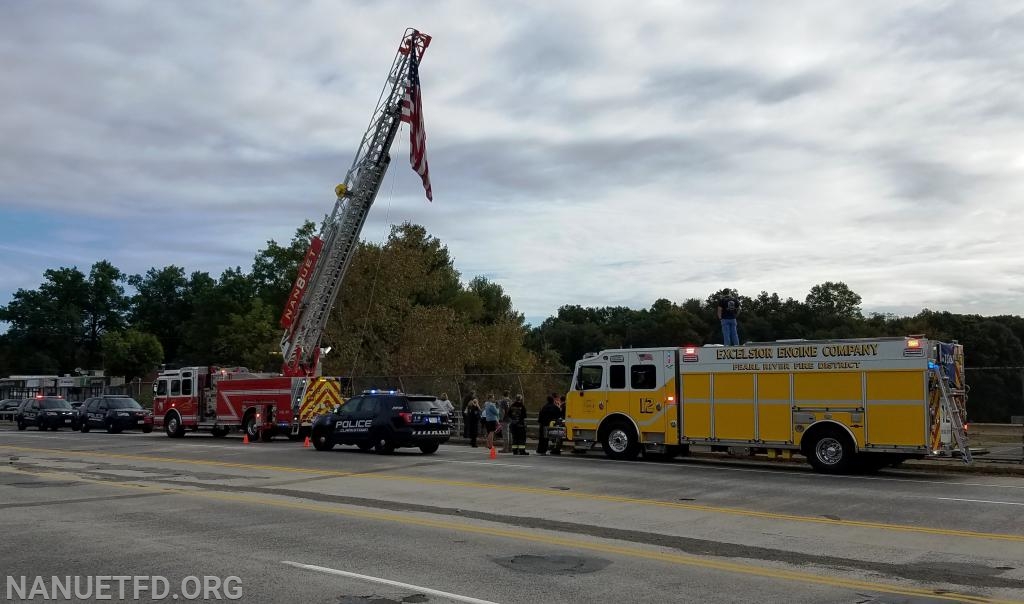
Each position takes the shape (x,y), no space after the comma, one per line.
(953,412)
(300,344)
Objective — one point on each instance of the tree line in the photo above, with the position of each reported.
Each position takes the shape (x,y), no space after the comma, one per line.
(405,310)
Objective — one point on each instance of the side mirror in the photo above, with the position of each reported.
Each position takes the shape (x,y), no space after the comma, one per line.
(579,386)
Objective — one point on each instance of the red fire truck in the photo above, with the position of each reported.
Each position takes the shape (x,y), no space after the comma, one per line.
(221,399)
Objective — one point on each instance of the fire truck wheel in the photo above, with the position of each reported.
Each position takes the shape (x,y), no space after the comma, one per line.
(620,442)
(250,427)
(429,448)
(831,451)
(172,425)
(322,441)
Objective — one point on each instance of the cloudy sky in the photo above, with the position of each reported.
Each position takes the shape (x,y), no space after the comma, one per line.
(594,153)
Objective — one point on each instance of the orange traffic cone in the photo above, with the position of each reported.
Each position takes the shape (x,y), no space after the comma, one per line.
(494,453)
(245,438)
(306,444)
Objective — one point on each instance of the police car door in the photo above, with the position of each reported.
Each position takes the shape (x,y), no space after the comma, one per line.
(98,415)
(348,426)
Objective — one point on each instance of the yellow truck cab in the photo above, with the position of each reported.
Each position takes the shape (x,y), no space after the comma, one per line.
(843,404)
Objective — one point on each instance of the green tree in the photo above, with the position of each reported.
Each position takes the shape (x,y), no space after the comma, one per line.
(275,268)
(161,306)
(104,307)
(131,353)
(250,338)
(47,325)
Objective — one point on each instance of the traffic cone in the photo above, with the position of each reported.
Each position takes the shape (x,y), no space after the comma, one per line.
(306,444)
(494,453)
(245,438)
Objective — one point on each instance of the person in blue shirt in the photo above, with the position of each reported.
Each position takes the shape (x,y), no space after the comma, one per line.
(491,416)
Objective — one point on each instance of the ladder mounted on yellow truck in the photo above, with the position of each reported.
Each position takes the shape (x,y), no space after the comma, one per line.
(843,404)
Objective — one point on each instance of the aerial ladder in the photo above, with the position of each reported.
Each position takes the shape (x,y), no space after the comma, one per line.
(330,253)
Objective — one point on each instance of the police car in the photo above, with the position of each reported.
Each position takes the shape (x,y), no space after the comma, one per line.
(44,412)
(115,413)
(383,420)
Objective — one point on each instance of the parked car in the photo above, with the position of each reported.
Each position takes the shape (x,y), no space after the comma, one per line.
(44,412)
(383,420)
(9,408)
(115,413)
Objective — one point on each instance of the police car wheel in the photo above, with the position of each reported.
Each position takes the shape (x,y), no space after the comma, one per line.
(429,448)
(322,441)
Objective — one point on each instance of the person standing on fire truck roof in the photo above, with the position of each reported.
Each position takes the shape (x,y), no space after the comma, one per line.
(728,309)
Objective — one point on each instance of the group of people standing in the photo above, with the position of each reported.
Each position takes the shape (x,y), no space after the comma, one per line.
(510,415)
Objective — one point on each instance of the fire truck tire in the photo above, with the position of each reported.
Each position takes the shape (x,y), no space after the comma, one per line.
(250,427)
(172,425)
(429,448)
(322,441)
(831,451)
(619,441)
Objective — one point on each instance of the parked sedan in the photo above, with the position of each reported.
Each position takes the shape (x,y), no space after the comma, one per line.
(114,413)
(46,412)
(9,408)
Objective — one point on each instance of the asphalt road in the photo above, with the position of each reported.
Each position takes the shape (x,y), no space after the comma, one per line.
(294,524)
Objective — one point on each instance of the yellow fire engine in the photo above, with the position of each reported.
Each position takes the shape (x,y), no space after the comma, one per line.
(843,404)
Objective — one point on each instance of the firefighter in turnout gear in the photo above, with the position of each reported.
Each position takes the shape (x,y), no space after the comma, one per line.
(516,419)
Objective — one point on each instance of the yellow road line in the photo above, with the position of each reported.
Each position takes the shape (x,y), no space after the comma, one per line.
(549,493)
(605,548)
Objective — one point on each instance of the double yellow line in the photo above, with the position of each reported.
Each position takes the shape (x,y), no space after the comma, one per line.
(543,491)
(544,539)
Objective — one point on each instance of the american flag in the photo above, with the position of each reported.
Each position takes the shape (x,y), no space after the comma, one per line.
(412,114)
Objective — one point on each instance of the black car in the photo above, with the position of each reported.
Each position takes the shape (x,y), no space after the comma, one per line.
(114,413)
(45,412)
(9,408)
(385,421)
